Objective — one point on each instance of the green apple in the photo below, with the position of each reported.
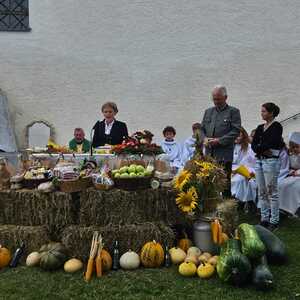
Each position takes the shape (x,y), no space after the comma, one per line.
(132,174)
(123,169)
(124,175)
(140,174)
(116,175)
(140,169)
(115,171)
(147,173)
(132,168)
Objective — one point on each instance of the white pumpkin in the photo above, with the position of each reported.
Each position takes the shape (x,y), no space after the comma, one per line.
(73,265)
(130,260)
(33,259)
(177,255)
(194,251)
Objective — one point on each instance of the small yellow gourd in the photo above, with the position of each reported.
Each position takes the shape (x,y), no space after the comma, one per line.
(205,270)
(177,255)
(213,260)
(187,269)
(192,258)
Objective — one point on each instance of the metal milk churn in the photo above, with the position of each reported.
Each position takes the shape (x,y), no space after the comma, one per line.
(202,236)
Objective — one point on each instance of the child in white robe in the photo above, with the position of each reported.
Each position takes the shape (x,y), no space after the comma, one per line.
(242,187)
(289,187)
(171,147)
(188,147)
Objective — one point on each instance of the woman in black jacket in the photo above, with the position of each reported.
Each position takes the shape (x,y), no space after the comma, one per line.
(267,144)
(109,131)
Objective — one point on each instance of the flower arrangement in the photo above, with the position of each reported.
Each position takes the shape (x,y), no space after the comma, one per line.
(138,143)
(200,183)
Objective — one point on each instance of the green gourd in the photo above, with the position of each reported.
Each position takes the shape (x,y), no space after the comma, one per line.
(232,266)
(53,256)
(252,246)
(262,276)
(276,250)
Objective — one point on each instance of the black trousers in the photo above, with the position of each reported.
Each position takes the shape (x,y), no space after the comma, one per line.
(227,168)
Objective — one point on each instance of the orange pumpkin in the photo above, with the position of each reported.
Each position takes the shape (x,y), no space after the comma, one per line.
(185,243)
(152,255)
(5,257)
(106,260)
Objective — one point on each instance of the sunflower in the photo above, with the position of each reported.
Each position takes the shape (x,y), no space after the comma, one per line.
(182,179)
(187,202)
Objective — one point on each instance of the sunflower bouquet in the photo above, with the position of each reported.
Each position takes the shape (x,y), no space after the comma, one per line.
(200,182)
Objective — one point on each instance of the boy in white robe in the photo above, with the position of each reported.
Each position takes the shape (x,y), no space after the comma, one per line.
(289,187)
(188,147)
(171,147)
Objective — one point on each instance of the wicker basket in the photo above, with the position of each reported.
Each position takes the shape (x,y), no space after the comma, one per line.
(102,187)
(75,185)
(132,184)
(33,183)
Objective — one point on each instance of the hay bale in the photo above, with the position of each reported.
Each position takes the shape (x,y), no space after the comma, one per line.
(127,207)
(33,208)
(78,239)
(11,237)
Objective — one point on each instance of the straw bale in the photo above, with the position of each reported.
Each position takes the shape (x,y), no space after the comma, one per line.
(78,239)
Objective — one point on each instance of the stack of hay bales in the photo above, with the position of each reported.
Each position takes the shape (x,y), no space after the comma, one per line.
(132,218)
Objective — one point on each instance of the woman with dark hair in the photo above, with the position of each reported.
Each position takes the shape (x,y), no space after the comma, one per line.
(109,131)
(267,144)
(243,169)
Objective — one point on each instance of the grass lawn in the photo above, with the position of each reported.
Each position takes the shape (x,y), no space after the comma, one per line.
(26,283)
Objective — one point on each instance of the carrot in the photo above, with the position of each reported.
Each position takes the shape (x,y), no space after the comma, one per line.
(99,270)
(90,265)
(220,236)
(89,269)
(214,230)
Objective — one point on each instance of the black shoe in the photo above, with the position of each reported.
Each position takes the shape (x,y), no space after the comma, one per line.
(265,224)
(273,227)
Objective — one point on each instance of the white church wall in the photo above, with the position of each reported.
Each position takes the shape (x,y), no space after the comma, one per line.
(157,59)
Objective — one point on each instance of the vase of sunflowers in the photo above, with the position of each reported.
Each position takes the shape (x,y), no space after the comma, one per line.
(199,186)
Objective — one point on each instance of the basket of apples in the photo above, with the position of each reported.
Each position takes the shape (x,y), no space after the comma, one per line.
(133,177)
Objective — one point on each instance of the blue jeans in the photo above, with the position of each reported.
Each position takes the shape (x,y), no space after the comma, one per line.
(266,173)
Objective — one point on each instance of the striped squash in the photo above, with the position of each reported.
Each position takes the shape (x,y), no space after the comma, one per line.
(152,255)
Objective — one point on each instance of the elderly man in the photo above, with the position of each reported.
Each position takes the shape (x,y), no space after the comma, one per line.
(79,144)
(221,125)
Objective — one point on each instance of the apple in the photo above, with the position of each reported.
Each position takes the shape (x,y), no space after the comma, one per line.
(123,169)
(124,175)
(132,168)
(132,174)
(115,171)
(140,169)
(147,173)
(116,175)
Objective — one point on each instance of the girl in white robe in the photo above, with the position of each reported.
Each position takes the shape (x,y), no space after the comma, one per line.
(171,147)
(289,187)
(242,188)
